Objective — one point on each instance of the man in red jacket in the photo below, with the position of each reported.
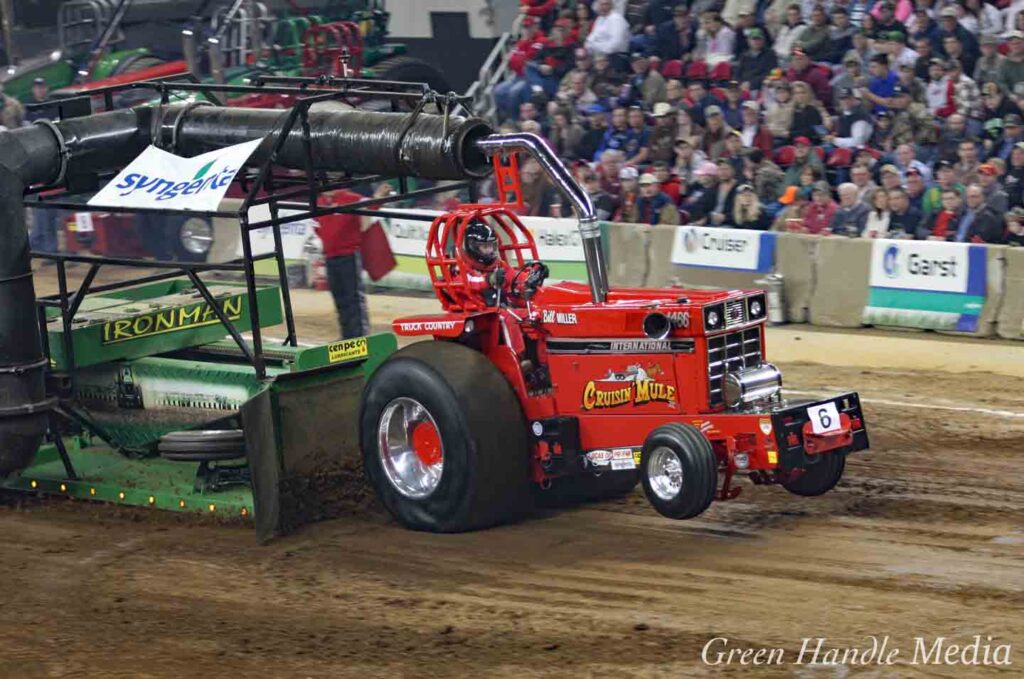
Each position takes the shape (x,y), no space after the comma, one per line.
(342,236)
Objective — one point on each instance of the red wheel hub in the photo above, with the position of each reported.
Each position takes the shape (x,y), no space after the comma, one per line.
(426,442)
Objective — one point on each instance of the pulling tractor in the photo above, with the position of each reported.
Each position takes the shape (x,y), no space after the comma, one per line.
(130,392)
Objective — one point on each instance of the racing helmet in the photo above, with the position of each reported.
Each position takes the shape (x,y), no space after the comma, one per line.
(480,243)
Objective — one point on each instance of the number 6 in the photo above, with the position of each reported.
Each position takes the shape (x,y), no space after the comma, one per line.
(824,418)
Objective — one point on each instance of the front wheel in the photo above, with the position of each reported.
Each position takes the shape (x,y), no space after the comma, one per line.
(820,477)
(679,471)
(443,439)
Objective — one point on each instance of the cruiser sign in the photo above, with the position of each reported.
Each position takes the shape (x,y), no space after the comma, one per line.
(163,181)
(714,248)
(927,284)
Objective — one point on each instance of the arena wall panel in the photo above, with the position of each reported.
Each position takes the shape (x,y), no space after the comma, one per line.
(794,259)
(1010,318)
(841,268)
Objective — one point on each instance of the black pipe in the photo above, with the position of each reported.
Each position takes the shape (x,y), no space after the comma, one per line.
(356,142)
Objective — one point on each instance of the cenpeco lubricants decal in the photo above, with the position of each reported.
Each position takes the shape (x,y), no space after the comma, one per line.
(636,385)
(169,320)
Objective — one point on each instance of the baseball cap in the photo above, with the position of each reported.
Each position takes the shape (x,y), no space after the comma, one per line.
(733,84)
(822,186)
(662,109)
(1017,212)
(898,89)
(789,195)
(679,10)
(648,178)
(752,105)
(953,65)
(744,188)
(889,168)
(712,111)
(989,39)
(798,52)
(39,81)
(897,36)
(1012,120)
(936,61)
(943,164)
(708,169)
(851,58)
(845,92)
(628,173)
(913,171)
(990,88)
(948,11)
(594,108)
(1019,145)
(1014,35)
(637,56)
(988,169)
(755,34)
(802,140)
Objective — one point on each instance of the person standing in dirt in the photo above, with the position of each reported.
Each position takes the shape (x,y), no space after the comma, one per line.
(342,236)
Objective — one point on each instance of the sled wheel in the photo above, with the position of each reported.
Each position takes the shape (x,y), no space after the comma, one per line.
(679,471)
(211,445)
(443,439)
(820,477)
(407,69)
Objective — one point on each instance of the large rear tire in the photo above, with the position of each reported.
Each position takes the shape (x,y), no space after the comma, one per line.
(679,471)
(444,440)
(820,477)
(407,69)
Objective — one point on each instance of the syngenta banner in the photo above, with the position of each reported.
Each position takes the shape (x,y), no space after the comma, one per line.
(927,284)
(716,248)
(161,180)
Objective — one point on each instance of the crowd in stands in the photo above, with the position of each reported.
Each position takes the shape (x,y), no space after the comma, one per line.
(861,118)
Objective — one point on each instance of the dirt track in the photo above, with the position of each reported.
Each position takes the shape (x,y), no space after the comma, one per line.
(924,537)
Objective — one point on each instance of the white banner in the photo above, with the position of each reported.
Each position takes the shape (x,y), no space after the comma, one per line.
(298,239)
(717,248)
(161,180)
(920,265)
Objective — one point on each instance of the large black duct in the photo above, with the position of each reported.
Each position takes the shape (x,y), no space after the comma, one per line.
(360,142)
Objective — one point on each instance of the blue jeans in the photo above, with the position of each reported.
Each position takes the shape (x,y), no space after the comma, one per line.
(43,237)
(345,277)
(508,95)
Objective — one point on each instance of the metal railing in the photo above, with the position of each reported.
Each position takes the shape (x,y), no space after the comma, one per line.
(494,70)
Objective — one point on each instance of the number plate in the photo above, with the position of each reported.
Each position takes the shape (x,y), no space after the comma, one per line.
(824,418)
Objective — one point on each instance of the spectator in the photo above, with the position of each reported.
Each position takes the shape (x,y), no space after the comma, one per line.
(881,84)
(862,48)
(645,87)
(716,42)
(565,135)
(955,132)
(955,52)
(923,27)
(904,218)
(801,69)
(900,54)
(1011,71)
(849,79)
(715,133)
(890,177)
(767,177)
(40,97)
(662,139)
(12,113)
(723,198)
(694,201)
(943,224)
(996,106)
(604,205)
(803,157)
(747,212)
(731,107)
(966,168)
(676,38)
(577,95)
(638,141)
(628,189)
(860,176)
(916,189)
(539,195)
(1014,234)
(668,182)
(882,133)
(925,54)
(852,126)
(584,21)
(850,217)
(698,101)
(675,95)
(885,13)
(981,18)
(687,161)
(756,62)
(979,223)
(652,206)
(807,120)
(815,38)
(594,133)
(789,33)
(987,68)
(1014,180)
(619,136)
(685,127)
(746,22)
(945,180)
(995,197)
(752,133)
(610,32)
(583,64)
(906,159)
(912,122)
(840,35)
(822,209)
(877,223)
(949,26)
(794,204)
(778,115)
(913,87)
(609,168)
(1013,133)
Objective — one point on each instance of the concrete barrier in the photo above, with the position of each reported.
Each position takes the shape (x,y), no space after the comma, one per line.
(841,274)
(1010,318)
(995,284)
(794,259)
(629,254)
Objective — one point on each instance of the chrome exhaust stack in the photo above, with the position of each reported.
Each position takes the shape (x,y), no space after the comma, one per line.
(590,228)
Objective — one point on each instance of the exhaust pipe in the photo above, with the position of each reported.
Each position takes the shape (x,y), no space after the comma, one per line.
(357,142)
(590,228)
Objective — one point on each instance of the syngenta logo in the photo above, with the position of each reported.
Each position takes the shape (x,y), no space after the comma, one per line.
(890,261)
(165,188)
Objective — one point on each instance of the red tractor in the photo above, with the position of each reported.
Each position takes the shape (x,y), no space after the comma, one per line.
(580,392)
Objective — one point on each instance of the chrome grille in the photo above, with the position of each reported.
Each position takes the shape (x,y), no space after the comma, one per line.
(730,352)
(735,312)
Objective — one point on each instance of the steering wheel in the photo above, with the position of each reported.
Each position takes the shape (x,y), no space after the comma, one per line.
(533,274)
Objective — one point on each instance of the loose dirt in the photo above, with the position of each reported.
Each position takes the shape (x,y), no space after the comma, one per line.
(923,537)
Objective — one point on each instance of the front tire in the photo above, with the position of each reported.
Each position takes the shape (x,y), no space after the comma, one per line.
(820,477)
(443,439)
(679,471)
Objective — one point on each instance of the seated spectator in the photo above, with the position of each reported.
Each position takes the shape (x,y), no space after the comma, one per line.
(881,83)
(987,68)
(746,22)
(942,223)
(916,190)
(1013,133)
(1011,71)
(966,168)
(1014,234)
(878,220)
(701,193)
(995,196)
(645,87)
(794,204)
(716,42)
(996,106)
(1014,179)
(778,113)
(885,13)
(906,159)
(752,133)
(852,214)
(698,100)
(801,69)
(807,120)
(668,182)
(719,202)
(979,222)
(747,212)
(949,25)
(687,161)
(849,78)
(904,218)
(675,39)
(577,95)
(890,177)
(638,142)
(663,136)
(675,95)
(619,135)
(788,35)
(604,205)
(954,133)
(882,134)
(715,132)
(966,95)
(610,32)
(767,177)
(629,185)
(815,37)
(608,168)
(821,211)
(731,107)
(939,90)
(652,206)
(593,134)
(954,51)
(852,125)
(840,35)
(925,54)
(860,176)
(607,81)
(565,135)
(754,65)
(685,127)
(803,156)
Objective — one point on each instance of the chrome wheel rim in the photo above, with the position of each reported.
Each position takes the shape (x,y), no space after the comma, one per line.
(665,473)
(410,448)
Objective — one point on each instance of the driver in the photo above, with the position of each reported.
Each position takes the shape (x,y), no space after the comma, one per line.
(488,274)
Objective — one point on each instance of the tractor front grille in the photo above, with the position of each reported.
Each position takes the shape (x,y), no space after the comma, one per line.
(728,353)
(735,313)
